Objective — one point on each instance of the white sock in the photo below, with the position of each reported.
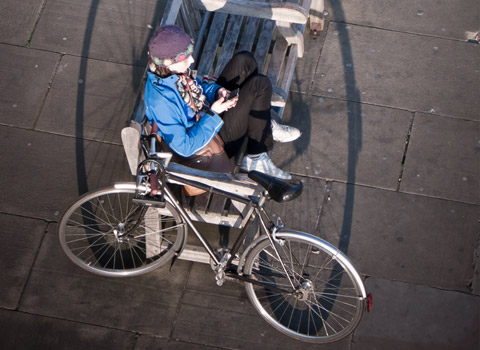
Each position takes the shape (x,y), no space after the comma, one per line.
(253,156)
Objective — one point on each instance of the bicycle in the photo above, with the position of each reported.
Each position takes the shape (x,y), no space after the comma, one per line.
(300,284)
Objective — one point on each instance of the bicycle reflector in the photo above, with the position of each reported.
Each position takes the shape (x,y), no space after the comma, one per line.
(369,301)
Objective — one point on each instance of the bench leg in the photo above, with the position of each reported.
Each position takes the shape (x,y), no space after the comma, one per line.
(316,16)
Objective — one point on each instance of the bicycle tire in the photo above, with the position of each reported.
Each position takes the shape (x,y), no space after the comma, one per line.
(327,300)
(104,232)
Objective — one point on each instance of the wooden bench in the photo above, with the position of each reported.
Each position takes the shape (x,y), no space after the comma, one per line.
(273,32)
(208,207)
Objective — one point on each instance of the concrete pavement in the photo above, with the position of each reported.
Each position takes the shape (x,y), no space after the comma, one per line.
(387,99)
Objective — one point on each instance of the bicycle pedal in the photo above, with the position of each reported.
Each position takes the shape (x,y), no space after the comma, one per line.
(226,278)
(231,279)
(149,202)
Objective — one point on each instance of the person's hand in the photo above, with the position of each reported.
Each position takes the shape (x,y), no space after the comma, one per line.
(221,105)
(222,92)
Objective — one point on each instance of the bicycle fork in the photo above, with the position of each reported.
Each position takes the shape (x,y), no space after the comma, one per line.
(273,239)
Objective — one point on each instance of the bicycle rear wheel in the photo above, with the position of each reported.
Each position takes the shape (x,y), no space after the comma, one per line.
(104,232)
(315,296)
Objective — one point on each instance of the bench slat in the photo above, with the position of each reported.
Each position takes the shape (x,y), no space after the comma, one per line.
(249,33)
(277,60)
(217,205)
(264,43)
(188,20)
(211,45)
(229,43)
(170,12)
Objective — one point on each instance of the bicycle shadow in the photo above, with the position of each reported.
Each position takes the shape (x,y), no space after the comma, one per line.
(355,135)
(354,125)
(301,118)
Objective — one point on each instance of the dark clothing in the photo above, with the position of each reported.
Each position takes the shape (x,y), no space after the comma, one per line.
(251,116)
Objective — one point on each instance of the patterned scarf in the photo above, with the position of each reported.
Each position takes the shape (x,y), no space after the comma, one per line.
(191,91)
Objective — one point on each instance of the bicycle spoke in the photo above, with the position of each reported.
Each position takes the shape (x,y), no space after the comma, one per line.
(132,251)
(324,305)
(95,219)
(105,233)
(159,231)
(324,322)
(330,313)
(85,236)
(354,297)
(339,305)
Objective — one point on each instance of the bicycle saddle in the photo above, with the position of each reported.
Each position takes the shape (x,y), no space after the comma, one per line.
(279,190)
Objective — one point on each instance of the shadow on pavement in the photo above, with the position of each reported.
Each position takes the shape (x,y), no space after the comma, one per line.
(81,171)
(355,131)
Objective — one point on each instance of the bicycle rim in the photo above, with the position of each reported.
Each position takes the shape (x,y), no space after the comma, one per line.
(105,233)
(327,299)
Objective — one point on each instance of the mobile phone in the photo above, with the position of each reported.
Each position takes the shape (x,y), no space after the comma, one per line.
(233,94)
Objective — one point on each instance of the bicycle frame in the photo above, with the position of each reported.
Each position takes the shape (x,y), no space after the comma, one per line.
(286,272)
(255,206)
(254,203)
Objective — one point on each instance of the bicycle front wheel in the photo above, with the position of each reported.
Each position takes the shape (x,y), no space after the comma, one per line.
(104,232)
(305,287)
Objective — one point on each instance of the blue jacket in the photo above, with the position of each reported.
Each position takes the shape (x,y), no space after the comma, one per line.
(176,121)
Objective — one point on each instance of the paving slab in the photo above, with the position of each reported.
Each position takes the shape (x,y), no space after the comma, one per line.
(403,237)
(110,30)
(90,99)
(145,342)
(443,158)
(18,20)
(304,74)
(444,18)
(22,331)
(223,317)
(344,141)
(402,70)
(26,75)
(303,213)
(22,237)
(145,304)
(43,173)
(409,316)
(476,271)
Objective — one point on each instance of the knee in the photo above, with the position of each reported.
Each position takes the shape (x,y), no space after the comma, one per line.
(246,64)
(260,84)
(246,58)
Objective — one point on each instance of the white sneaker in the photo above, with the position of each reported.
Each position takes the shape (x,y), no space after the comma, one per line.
(284,133)
(262,163)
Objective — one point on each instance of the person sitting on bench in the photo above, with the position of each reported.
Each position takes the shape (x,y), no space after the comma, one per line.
(199,122)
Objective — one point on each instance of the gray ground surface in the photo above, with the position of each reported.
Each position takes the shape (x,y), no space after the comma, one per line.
(406,213)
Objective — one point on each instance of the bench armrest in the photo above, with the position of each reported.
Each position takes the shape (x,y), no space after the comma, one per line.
(281,11)
(239,184)
(131,144)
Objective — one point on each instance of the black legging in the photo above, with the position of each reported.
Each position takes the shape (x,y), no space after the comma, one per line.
(251,116)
